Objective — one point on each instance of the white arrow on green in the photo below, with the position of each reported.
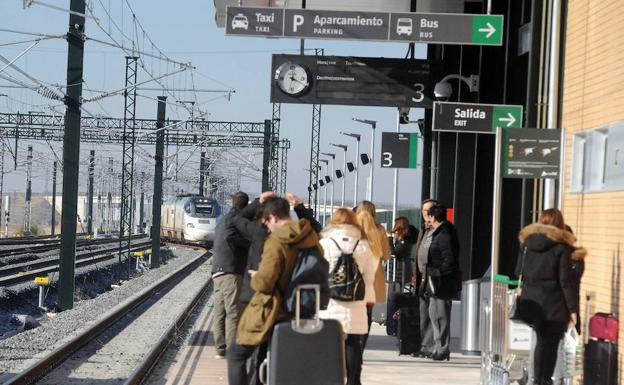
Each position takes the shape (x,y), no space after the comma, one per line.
(487,29)
(509,119)
(506,116)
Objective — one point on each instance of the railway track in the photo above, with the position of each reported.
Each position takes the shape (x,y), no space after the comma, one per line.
(54,244)
(33,239)
(131,327)
(25,272)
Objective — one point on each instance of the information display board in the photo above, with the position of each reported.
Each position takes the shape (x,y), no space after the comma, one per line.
(531,153)
(358,81)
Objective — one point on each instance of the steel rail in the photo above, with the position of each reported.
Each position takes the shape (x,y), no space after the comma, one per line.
(50,266)
(53,244)
(142,371)
(63,352)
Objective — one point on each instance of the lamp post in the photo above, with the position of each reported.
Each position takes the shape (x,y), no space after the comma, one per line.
(373,124)
(324,185)
(333,159)
(357,162)
(344,170)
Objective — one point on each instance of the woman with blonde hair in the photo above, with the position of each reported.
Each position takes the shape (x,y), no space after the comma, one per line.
(344,236)
(380,247)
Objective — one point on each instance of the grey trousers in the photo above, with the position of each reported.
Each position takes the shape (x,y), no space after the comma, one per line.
(426,329)
(226,310)
(440,315)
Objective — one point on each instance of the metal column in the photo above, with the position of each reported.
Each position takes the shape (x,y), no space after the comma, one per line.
(158,181)
(202,172)
(395,192)
(27,203)
(142,205)
(266,156)
(357,166)
(326,163)
(127,170)
(314,154)
(1,179)
(109,197)
(71,154)
(53,216)
(90,193)
(275,179)
(372,163)
(283,166)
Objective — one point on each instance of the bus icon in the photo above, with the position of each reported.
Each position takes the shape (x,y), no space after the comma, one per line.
(404,26)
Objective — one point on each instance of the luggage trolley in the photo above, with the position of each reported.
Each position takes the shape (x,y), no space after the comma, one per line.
(505,355)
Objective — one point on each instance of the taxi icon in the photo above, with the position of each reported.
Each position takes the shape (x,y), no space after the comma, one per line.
(240,21)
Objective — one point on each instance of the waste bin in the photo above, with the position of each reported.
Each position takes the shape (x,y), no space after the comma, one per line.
(470,300)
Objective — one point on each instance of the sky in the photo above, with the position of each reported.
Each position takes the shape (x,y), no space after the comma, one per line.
(186,32)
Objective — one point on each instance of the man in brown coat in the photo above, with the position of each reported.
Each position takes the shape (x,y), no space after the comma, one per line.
(280,252)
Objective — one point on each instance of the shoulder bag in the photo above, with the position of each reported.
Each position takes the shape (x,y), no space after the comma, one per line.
(517,308)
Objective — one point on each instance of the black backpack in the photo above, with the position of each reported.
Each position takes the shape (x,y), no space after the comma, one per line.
(310,268)
(345,280)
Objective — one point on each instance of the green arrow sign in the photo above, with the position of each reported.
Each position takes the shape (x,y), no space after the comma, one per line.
(506,117)
(487,29)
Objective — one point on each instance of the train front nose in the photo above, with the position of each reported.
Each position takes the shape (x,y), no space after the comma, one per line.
(201,230)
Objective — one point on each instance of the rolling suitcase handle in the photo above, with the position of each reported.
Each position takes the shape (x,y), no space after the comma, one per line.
(262,371)
(296,323)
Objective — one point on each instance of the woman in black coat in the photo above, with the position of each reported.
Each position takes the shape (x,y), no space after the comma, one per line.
(549,290)
(401,244)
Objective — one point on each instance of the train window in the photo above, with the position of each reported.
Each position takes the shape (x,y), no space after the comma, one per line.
(204,208)
(187,208)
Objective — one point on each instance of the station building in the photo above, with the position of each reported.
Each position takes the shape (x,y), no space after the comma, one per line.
(593,116)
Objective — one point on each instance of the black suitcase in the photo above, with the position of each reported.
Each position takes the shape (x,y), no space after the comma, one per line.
(305,352)
(397,301)
(408,330)
(600,363)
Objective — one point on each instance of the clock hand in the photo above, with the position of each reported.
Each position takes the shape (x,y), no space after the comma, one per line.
(298,81)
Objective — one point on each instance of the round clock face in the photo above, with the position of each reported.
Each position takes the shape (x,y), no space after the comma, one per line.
(292,78)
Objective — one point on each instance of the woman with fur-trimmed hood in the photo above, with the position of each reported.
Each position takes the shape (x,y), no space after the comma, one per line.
(549,287)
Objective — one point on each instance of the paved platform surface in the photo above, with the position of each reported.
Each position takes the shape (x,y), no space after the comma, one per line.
(195,364)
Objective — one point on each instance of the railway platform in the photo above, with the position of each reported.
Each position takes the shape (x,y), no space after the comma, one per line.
(196,363)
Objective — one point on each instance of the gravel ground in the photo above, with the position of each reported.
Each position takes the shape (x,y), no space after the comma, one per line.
(121,348)
(19,351)
(91,281)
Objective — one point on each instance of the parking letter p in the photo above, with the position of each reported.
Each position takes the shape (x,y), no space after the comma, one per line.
(297,21)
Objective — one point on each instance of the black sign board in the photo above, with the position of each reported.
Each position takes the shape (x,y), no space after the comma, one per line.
(358,81)
(475,118)
(399,150)
(531,153)
(440,28)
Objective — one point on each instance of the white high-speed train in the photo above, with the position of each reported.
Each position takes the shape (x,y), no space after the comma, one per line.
(190,218)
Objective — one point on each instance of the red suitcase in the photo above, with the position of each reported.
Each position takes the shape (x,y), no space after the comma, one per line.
(604,326)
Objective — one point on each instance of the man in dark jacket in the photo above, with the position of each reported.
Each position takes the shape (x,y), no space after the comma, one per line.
(279,255)
(228,266)
(253,231)
(422,251)
(443,274)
